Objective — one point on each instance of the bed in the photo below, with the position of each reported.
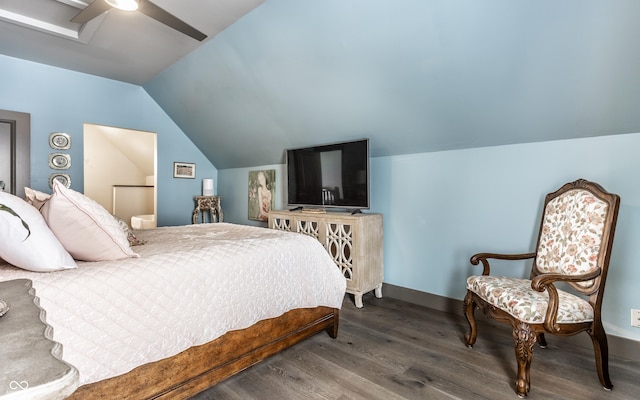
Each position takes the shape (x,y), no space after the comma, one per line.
(199,304)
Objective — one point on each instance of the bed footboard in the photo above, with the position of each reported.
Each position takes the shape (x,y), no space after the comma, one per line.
(201,367)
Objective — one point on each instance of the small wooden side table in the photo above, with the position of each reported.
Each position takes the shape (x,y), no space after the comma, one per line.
(210,204)
(31,366)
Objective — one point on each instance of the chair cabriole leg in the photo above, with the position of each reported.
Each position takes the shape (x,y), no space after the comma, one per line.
(469,308)
(601,350)
(542,342)
(524,340)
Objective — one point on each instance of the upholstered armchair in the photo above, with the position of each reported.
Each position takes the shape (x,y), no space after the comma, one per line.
(573,248)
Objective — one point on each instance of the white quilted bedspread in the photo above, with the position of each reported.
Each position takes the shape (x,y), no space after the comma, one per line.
(190,285)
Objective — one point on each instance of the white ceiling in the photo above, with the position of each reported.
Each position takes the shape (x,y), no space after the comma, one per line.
(126,46)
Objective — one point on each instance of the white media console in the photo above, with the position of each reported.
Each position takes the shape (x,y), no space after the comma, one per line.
(354,242)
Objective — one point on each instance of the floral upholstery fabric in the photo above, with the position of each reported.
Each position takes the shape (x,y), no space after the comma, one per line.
(516,297)
(131,237)
(571,234)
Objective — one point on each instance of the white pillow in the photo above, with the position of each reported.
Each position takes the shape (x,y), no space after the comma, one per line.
(85,229)
(39,251)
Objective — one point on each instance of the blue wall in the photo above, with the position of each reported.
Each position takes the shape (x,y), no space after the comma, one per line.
(413,75)
(423,76)
(440,208)
(60,100)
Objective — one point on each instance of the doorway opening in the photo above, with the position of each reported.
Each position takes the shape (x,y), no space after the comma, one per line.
(15,142)
(120,172)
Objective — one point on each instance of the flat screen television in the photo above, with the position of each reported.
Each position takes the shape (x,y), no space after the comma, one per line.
(334,175)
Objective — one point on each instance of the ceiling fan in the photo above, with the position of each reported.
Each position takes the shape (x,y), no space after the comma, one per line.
(146,7)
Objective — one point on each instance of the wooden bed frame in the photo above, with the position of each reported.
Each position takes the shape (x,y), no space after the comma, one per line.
(201,367)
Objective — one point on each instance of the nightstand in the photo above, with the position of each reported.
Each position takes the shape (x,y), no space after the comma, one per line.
(210,204)
(31,366)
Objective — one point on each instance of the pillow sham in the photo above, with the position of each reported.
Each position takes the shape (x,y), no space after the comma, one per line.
(35,197)
(34,248)
(85,229)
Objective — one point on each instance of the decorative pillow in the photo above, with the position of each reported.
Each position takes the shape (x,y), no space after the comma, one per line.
(35,198)
(133,240)
(85,229)
(34,249)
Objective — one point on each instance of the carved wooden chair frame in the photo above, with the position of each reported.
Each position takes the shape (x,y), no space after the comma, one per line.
(590,284)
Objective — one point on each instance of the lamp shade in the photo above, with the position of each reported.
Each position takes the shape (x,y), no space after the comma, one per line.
(207,187)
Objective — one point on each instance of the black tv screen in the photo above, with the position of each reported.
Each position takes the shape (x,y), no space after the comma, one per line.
(329,176)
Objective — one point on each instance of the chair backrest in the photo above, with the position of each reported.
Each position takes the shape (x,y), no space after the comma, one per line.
(576,233)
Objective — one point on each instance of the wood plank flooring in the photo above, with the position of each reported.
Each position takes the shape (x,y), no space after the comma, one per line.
(391,350)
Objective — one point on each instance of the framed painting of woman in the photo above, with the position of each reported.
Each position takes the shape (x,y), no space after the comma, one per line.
(262,195)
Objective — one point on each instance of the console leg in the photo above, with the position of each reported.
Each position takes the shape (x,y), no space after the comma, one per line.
(358,300)
(378,291)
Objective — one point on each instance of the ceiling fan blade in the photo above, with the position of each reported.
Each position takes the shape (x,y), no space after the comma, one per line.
(157,13)
(91,11)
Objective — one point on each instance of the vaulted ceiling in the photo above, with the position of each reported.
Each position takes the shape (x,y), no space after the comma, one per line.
(121,45)
(412,75)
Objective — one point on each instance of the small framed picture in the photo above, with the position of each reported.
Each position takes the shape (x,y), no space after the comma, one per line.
(184,170)
(59,141)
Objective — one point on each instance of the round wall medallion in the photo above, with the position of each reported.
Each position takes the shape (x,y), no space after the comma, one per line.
(65,179)
(59,140)
(59,161)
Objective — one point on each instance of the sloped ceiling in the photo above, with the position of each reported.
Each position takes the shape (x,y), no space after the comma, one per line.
(138,149)
(413,76)
(126,46)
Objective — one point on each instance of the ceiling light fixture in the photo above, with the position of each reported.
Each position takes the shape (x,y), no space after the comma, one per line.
(125,5)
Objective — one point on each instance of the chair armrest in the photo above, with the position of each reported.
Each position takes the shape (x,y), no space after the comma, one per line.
(539,282)
(484,259)
(545,282)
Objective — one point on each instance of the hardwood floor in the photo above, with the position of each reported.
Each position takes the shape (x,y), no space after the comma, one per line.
(391,349)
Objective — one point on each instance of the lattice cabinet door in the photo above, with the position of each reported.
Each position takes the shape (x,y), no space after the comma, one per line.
(339,244)
(309,228)
(280,223)
(354,242)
